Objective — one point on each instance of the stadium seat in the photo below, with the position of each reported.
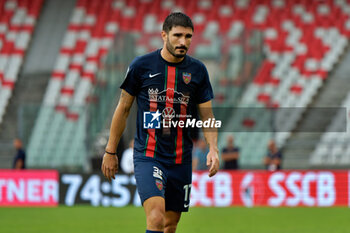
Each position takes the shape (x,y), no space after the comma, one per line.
(334,140)
(17,21)
(301,46)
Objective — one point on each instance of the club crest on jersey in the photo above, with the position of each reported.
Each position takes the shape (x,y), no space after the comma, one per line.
(186,77)
(159,184)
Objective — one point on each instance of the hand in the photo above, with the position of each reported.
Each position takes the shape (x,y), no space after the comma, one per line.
(213,162)
(109,166)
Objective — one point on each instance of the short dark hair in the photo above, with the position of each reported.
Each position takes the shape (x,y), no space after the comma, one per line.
(177,19)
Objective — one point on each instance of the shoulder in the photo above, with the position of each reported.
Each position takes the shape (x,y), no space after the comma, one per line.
(144,60)
(195,62)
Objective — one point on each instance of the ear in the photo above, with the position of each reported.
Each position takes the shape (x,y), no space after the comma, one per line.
(164,36)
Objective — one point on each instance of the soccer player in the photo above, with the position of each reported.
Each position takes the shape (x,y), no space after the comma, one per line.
(170,82)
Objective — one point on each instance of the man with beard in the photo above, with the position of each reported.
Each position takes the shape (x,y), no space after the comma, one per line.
(162,151)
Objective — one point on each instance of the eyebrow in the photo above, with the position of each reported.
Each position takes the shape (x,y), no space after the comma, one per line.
(180,34)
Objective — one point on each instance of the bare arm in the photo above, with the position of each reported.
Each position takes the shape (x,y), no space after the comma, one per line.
(121,113)
(276,161)
(194,164)
(118,123)
(211,137)
(19,164)
(267,161)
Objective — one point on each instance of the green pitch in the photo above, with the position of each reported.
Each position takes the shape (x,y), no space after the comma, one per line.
(84,219)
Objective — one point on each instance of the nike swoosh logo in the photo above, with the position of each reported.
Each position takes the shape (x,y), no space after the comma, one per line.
(152,75)
(186,205)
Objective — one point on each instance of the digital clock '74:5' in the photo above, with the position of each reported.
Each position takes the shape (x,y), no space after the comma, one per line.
(95,190)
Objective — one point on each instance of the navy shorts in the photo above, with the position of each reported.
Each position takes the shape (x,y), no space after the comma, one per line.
(172,182)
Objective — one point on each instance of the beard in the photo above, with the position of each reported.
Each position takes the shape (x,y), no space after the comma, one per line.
(171,50)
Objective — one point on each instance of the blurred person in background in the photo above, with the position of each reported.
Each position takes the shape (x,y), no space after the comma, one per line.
(200,151)
(127,163)
(20,158)
(230,154)
(273,158)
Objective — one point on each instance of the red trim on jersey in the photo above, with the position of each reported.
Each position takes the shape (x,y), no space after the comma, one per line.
(170,94)
(170,86)
(151,143)
(179,145)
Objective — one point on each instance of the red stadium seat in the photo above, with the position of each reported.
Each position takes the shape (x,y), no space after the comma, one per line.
(300,40)
(296,89)
(17,21)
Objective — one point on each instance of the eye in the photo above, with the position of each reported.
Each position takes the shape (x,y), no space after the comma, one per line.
(189,36)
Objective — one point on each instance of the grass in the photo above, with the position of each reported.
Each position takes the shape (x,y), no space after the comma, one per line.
(86,219)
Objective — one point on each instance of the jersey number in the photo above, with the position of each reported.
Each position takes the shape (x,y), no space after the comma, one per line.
(187,189)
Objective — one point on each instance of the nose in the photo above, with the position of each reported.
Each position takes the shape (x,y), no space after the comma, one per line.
(182,41)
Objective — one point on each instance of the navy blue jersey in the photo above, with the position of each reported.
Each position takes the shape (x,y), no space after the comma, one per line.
(273,156)
(20,155)
(232,164)
(170,89)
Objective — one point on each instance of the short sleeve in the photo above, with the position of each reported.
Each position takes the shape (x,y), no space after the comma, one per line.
(205,91)
(131,83)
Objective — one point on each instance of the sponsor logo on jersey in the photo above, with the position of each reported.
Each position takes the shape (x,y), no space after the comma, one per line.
(153,75)
(168,113)
(160,96)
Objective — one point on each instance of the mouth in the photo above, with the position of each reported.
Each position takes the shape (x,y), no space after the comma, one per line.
(182,48)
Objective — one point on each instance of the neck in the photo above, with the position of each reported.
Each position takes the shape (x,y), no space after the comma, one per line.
(169,57)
